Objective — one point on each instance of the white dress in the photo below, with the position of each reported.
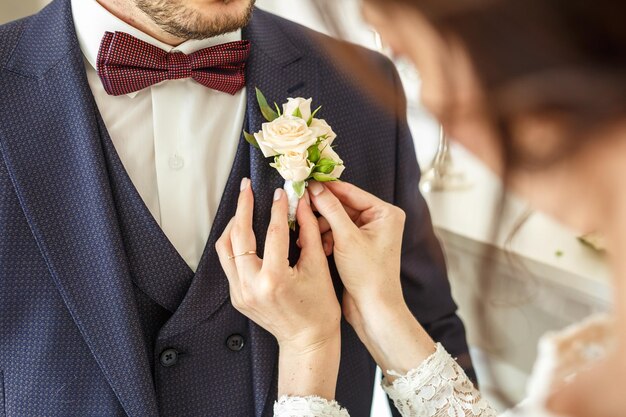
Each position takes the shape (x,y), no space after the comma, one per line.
(438,387)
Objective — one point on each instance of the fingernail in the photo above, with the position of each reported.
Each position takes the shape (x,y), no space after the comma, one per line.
(278,194)
(316,188)
(245,182)
(307,198)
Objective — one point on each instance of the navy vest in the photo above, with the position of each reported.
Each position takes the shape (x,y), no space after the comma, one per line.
(205,370)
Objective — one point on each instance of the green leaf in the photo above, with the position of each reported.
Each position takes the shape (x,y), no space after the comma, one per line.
(280,113)
(325,166)
(276,163)
(299,187)
(319,177)
(314,153)
(297,113)
(327,161)
(251,139)
(269,114)
(313,116)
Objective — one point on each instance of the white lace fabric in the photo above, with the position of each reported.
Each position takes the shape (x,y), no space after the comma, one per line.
(288,406)
(437,388)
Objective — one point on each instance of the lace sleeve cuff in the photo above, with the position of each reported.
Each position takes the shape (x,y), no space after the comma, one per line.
(308,407)
(437,387)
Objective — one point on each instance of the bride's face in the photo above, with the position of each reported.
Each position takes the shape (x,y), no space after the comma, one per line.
(569,190)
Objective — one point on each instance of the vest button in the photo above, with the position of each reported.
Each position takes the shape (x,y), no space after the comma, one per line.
(169,357)
(235,342)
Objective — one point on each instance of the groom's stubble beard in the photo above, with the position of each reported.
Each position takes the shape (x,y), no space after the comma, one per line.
(179,19)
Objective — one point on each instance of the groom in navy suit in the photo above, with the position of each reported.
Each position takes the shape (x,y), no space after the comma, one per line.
(112,300)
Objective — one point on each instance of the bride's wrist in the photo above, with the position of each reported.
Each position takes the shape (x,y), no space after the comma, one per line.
(384,292)
(310,368)
(303,346)
(374,309)
(395,339)
(375,325)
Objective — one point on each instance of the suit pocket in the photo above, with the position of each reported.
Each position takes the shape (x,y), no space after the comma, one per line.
(2,408)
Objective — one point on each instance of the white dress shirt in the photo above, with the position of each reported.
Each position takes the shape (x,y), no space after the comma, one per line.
(177,139)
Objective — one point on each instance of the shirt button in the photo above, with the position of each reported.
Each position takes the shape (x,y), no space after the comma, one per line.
(169,357)
(235,342)
(176,162)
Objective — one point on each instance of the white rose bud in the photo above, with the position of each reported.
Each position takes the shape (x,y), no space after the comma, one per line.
(292,104)
(329,153)
(321,128)
(286,134)
(294,167)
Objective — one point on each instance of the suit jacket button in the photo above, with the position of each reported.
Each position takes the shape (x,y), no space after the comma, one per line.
(169,357)
(235,342)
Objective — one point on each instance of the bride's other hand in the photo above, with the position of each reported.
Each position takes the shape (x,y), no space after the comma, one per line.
(367,236)
(365,233)
(297,305)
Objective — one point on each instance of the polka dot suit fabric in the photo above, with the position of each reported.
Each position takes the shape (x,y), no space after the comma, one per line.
(85,312)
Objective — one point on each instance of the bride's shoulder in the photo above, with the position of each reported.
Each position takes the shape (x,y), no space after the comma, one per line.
(583,337)
(562,354)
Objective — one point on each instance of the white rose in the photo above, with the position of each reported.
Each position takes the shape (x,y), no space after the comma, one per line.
(321,128)
(293,103)
(294,166)
(286,134)
(329,153)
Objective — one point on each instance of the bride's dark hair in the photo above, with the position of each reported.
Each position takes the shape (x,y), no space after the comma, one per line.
(535,57)
(563,58)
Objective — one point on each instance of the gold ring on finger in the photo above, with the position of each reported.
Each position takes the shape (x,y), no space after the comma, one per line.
(248,253)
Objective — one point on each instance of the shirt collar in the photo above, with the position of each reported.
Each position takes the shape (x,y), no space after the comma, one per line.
(92,20)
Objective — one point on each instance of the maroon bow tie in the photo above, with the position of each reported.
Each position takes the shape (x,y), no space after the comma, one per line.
(127,64)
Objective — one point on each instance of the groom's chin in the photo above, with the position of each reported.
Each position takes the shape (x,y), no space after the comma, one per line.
(226,12)
(198,19)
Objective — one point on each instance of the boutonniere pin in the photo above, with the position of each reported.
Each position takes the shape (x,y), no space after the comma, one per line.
(300,144)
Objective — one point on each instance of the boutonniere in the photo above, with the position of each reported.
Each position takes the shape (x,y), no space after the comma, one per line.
(301,145)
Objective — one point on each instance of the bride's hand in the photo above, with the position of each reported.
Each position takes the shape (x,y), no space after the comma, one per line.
(297,305)
(367,236)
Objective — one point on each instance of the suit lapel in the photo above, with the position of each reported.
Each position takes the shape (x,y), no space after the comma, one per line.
(50,143)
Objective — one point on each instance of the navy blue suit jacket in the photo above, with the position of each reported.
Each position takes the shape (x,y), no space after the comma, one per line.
(69,338)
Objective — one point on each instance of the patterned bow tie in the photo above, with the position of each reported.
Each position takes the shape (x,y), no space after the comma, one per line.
(127,64)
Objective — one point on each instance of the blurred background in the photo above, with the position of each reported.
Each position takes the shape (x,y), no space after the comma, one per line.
(14,9)
(545,278)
